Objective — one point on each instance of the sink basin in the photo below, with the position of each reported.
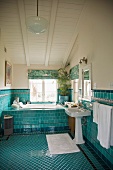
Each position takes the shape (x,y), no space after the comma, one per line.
(78,113)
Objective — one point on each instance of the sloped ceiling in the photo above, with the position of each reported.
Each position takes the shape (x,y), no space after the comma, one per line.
(50,48)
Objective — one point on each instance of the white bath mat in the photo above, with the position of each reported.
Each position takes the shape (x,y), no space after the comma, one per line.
(61,144)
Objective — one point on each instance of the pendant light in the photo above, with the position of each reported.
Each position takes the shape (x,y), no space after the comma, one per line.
(37,24)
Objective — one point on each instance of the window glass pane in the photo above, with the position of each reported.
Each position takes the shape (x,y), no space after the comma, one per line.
(50,96)
(50,90)
(35,90)
(50,86)
(43,90)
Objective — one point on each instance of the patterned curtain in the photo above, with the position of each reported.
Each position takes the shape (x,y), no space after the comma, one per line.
(42,74)
(74,72)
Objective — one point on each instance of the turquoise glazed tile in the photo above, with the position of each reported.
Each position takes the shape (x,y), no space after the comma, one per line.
(70,95)
(108,94)
(42,121)
(42,118)
(98,163)
(111,96)
(105,94)
(111,151)
(31,152)
(91,130)
(101,95)
(98,94)
(23,94)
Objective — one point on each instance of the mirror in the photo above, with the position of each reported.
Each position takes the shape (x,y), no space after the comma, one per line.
(85,76)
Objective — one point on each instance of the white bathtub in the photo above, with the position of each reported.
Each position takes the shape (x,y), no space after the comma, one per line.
(41,106)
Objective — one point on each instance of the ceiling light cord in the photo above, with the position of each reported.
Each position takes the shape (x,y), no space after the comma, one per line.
(37,24)
(37,8)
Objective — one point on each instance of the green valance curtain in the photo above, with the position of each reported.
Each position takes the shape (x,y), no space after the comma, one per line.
(52,74)
(74,72)
(42,74)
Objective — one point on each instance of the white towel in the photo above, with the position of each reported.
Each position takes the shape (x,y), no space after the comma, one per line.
(104,125)
(111,136)
(95,112)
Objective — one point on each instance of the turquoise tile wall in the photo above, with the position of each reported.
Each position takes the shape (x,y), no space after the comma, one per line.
(24,120)
(38,120)
(5,101)
(23,94)
(91,129)
(70,95)
(7,97)
(105,94)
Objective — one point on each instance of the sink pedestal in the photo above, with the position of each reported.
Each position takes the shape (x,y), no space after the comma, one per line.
(78,131)
(78,114)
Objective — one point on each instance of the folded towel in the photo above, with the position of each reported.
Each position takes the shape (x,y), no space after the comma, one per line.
(95,112)
(104,125)
(111,135)
(15,106)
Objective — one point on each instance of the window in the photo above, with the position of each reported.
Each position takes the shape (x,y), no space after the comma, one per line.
(43,90)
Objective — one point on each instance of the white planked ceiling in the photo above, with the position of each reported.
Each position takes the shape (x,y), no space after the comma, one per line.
(50,48)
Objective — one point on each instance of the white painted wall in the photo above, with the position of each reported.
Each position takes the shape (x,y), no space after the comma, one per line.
(95,41)
(2,72)
(20,80)
(3,58)
(20,77)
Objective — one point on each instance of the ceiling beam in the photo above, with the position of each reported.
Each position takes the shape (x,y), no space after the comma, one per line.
(23,29)
(71,44)
(73,50)
(51,30)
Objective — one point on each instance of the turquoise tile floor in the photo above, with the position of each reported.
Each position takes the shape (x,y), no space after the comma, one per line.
(30,152)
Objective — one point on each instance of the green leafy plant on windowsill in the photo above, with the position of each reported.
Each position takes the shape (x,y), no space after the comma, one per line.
(64,82)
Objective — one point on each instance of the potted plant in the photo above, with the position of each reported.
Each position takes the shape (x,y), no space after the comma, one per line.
(64,84)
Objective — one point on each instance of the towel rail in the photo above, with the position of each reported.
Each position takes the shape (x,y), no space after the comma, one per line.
(106,101)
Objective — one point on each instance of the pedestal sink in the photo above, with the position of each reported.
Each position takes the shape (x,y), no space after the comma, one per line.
(78,113)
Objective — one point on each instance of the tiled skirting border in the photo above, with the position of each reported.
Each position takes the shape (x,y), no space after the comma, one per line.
(41,130)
